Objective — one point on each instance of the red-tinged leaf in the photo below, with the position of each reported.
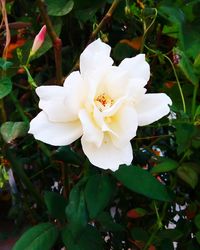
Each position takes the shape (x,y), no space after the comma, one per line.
(133,43)
(13,46)
(136,213)
(152,247)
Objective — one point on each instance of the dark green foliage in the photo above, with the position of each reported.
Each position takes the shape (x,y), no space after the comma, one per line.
(70,202)
(42,236)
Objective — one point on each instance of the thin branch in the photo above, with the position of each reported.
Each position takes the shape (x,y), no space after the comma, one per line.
(105,20)
(5,20)
(100,26)
(57,42)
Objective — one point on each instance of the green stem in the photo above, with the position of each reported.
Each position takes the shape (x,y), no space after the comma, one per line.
(18,169)
(30,78)
(175,74)
(194,100)
(179,85)
(158,225)
(19,108)
(146,29)
(151,238)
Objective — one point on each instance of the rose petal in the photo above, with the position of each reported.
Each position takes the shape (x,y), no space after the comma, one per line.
(107,156)
(114,83)
(53,102)
(124,124)
(91,131)
(96,57)
(76,92)
(136,67)
(152,107)
(56,134)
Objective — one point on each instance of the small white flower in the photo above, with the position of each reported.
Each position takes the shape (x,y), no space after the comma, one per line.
(103,103)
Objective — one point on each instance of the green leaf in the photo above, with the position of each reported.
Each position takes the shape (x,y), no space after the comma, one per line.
(98,192)
(142,182)
(55,204)
(165,166)
(76,211)
(197,221)
(122,51)
(5,64)
(67,155)
(186,66)
(188,175)
(171,14)
(85,10)
(198,237)
(140,234)
(167,245)
(172,234)
(5,86)
(197,112)
(12,130)
(59,8)
(89,239)
(184,135)
(40,237)
(197,61)
(107,223)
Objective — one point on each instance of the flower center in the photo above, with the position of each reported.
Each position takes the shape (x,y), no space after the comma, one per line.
(103,102)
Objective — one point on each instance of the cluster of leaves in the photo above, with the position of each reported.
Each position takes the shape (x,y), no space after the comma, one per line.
(137,206)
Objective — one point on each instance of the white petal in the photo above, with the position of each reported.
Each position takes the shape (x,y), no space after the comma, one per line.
(91,131)
(76,90)
(124,124)
(115,82)
(115,107)
(95,57)
(53,133)
(107,156)
(152,107)
(136,67)
(52,101)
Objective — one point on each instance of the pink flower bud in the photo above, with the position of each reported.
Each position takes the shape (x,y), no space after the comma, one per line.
(38,41)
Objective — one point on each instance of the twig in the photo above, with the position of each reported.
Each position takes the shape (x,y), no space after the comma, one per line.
(99,27)
(105,20)
(17,25)
(57,42)
(151,137)
(5,20)
(2,111)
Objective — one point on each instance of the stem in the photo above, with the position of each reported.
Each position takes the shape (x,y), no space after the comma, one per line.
(194,97)
(175,74)
(30,78)
(19,108)
(63,179)
(152,137)
(158,226)
(3,112)
(146,29)
(57,42)
(99,27)
(105,20)
(179,85)
(18,169)
(5,19)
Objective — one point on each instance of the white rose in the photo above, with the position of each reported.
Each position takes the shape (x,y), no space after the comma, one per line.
(103,104)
